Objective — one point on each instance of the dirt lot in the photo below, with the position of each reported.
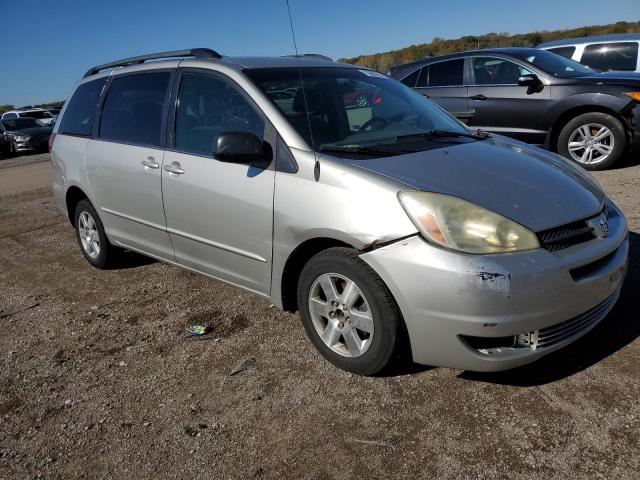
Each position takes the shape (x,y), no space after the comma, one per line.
(99,379)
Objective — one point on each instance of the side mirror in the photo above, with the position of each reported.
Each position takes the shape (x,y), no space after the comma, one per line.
(532,82)
(240,147)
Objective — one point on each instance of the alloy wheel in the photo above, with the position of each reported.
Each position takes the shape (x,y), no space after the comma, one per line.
(341,315)
(591,143)
(88,233)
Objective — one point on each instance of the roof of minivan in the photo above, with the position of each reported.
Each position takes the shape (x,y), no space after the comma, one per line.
(281,62)
(593,39)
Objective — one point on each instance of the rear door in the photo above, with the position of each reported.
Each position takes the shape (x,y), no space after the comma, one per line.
(444,83)
(124,162)
(502,106)
(219,215)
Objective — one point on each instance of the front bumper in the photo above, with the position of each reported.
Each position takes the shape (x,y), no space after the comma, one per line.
(447,297)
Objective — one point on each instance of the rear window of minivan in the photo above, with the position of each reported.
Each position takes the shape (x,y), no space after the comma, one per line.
(80,113)
(611,56)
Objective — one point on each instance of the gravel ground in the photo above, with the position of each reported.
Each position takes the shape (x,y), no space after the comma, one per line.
(99,378)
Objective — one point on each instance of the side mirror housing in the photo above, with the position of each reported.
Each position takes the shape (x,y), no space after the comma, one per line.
(532,82)
(239,147)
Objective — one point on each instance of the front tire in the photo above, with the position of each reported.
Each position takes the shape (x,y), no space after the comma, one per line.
(92,238)
(348,312)
(595,140)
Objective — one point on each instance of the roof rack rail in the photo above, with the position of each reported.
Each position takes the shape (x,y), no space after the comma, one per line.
(317,56)
(193,52)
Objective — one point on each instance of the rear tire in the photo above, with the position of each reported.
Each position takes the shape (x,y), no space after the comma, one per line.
(595,140)
(92,238)
(357,331)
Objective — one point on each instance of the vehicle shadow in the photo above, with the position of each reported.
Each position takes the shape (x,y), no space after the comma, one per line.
(130,259)
(630,159)
(620,328)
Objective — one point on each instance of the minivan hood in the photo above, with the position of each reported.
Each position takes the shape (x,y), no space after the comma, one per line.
(537,189)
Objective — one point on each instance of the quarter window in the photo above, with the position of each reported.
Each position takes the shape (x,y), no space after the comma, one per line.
(446,74)
(410,80)
(566,52)
(81,111)
(132,111)
(208,106)
(497,71)
(611,56)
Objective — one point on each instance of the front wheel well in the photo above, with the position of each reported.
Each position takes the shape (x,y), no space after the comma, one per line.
(72,198)
(566,117)
(294,265)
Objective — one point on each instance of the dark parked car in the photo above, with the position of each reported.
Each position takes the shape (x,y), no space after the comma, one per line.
(535,96)
(23,135)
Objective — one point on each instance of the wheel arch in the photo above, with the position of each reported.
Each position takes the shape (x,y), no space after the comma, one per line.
(296,261)
(567,115)
(73,196)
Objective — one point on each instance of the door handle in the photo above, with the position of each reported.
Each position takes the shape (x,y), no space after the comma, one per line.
(150,162)
(478,97)
(174,168)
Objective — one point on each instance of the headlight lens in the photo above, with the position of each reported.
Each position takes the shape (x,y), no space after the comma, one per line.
(464,226)
(21,138)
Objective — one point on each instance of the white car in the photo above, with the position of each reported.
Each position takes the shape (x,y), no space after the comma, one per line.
(38,113)
(617,52)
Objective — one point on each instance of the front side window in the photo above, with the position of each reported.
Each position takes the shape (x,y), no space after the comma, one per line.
(497,71)
(327,114)
(80,112)
(132,111)
(611,56)
(208,106)
(446,74)
(566,52)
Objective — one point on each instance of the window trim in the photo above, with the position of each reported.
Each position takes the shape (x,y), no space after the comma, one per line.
(270,135)
(165,108)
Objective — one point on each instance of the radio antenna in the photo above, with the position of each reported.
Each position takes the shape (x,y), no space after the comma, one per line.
(316,169)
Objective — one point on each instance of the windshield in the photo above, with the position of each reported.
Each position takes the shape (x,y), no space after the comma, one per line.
(554,64)
(350,108)
(36,114)
(20,123)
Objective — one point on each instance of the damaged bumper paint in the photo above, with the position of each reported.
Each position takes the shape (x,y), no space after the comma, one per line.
(486,312)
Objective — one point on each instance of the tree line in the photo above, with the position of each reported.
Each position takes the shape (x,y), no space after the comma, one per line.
(439,46)
(7,107)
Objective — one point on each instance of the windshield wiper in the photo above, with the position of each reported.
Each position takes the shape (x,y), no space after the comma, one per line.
(363,149)
(477,135)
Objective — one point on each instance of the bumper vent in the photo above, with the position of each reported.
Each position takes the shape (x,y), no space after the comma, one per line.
(568,235)
(545,337)
(550,336)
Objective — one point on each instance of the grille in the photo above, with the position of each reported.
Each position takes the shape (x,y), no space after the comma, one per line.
(550,336)
(567,235)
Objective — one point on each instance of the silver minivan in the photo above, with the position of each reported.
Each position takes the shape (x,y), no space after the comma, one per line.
(387,223)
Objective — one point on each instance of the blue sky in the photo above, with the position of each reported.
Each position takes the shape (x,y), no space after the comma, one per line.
(49,44)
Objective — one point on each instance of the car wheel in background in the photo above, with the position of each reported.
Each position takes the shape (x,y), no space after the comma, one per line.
(361,101)
(593,140)
(348,312)
(91,236)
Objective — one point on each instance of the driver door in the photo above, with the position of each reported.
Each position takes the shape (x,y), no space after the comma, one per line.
(219,215)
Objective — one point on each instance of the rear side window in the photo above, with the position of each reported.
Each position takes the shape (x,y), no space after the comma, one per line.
(446,74)
(423,80)
(410,80)
(208,106)
(81,110)
(566,52)
(611,56)
(132,111)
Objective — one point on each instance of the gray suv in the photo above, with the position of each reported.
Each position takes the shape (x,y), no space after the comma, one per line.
(379,221)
